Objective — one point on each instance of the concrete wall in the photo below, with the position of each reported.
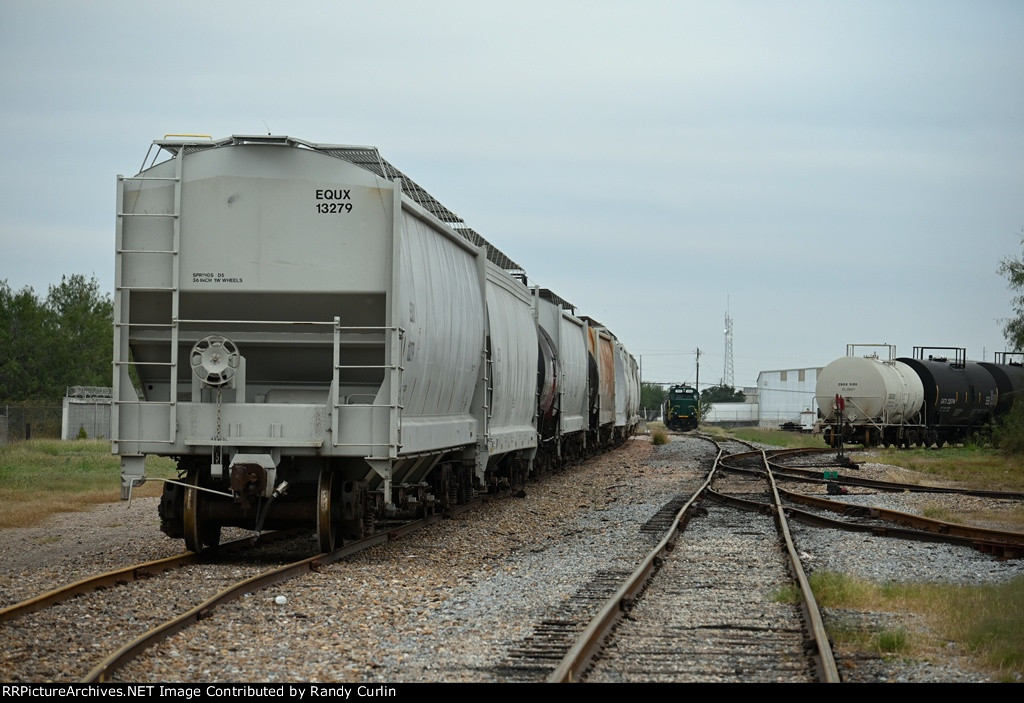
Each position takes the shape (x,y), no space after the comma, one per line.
(91,414)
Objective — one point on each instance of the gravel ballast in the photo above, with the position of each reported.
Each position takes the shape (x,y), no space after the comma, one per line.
(450,602)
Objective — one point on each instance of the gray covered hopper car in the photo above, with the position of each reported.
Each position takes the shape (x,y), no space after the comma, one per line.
(319,342)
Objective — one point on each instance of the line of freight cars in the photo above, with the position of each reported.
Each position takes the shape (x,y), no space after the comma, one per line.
(914,401)
(320,343)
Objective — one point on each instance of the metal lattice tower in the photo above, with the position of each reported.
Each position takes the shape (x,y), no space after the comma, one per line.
(728,373)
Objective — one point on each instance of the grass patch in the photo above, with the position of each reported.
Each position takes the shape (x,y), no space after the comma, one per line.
(848,635)
(990,619)
(834,590)
(776,438)
(789,594)
(974,466)
(889,641)
(987,620)
(715,431)
(40,477)
(940,512)
(659,436)
(978,467)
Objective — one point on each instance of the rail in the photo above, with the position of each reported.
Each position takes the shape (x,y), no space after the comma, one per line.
(586,647)
(826,661)
(578,658)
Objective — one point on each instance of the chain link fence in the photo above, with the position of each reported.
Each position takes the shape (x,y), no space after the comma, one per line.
(84,413)
(21,421)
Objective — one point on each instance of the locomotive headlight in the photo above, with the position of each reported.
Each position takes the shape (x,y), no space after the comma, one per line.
(215,360)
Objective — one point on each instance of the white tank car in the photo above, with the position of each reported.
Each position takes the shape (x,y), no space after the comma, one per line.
(876,394)
(872,389)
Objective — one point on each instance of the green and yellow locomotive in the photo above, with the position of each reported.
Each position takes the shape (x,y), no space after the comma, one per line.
(682,408)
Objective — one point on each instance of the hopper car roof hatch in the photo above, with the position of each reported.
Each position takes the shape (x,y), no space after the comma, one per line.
(365,157)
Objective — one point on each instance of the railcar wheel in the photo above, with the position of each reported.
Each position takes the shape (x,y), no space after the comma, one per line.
(354,520)
(441,485)
(830,438)
(198,531)
(328,511)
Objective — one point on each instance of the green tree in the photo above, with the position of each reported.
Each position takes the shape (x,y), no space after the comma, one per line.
(1009,432)
(46,346)
(1013,269)
(721,394)
(81,320)
(23,344)
(704,407)
(652,396)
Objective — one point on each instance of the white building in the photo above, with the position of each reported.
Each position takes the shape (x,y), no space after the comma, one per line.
(732,414)
(787,396)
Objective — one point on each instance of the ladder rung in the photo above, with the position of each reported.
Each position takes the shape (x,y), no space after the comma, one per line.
(153,325)
(142,402)
(146,251)
(149,178)
(152,288)
(147,214)
(122,440)
(143,363)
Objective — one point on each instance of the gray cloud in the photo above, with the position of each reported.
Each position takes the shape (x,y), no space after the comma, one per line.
(839,172)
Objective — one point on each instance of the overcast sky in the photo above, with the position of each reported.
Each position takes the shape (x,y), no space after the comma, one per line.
(834,172)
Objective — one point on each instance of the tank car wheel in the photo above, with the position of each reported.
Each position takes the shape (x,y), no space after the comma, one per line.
(830,438)
(198,532)
(328,511)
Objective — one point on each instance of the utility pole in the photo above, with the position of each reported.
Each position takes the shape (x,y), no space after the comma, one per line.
(698,384)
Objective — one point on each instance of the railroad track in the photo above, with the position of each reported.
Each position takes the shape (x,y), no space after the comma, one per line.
(703,607)
(52,638)
(815,509)
(671,633)
(404,626)
(49,638)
